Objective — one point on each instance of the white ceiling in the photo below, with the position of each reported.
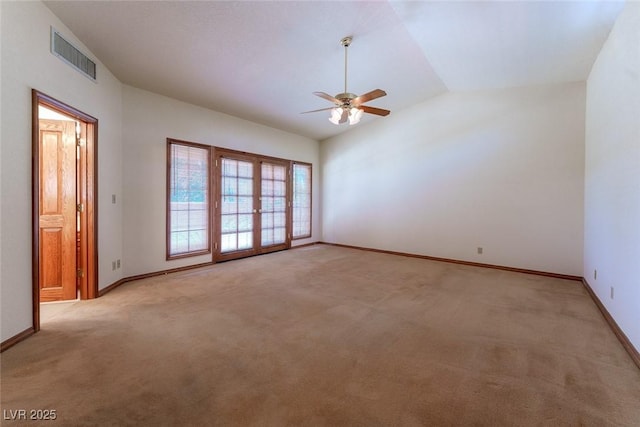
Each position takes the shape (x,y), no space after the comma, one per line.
(261,61)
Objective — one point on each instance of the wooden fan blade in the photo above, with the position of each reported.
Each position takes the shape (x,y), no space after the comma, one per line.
(327,97)
(377,93)
(374,110)
(315,111)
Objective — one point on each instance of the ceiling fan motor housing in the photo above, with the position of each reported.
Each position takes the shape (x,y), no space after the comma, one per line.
(346,98)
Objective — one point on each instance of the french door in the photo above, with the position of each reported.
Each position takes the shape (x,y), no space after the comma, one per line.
(252,199)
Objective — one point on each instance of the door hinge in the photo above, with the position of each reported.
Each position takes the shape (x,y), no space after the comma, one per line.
(80,207)
(80,273)
(216,204)
(215,246)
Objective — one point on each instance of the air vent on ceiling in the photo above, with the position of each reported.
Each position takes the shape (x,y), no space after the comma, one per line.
(71,55)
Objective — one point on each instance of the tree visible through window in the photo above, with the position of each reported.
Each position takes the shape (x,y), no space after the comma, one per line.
(188,209)
(301,200)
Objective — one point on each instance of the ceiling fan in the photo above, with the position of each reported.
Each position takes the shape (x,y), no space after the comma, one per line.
(348,106)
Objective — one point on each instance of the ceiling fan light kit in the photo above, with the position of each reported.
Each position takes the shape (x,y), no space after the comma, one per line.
(349,105)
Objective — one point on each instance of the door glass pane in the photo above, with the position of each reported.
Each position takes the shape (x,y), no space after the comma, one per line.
(273,204)
(245,240)
(279,233)
(236,220)
(229,223)
(229,242)
(245,222)
(245,187)
(245,169)
(229,204)
(245,205)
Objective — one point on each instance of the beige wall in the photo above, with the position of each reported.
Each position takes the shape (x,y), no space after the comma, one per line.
(148,120)
(612,183)
(27,63)
(502,170)
(133,127)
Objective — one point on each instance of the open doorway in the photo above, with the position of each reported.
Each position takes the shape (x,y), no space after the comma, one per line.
(64,214)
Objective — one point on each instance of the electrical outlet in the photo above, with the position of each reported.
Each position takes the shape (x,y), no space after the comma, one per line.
(118,263)
(479,250)
(595,274)
(113,265)
(612,292)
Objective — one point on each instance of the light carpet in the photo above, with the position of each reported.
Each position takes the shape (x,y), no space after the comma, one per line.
(329,336)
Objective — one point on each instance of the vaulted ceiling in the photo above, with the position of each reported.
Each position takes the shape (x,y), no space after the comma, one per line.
(261,61)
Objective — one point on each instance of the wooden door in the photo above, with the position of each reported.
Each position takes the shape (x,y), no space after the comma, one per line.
(57,210)
(273,205)
(237,214)
(252,205)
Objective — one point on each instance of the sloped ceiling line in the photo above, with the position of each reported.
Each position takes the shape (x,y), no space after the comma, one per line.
(261,61)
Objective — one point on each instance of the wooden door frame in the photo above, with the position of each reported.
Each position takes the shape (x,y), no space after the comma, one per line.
(256,159)
(219,154)
(88,196)
(288,202)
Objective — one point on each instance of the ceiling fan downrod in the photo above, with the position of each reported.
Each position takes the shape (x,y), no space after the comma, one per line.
(345,96)
(346,41)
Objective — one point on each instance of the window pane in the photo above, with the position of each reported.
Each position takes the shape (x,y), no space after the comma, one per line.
(188,193)
(181,218)
(301,200)
(180,241)
(197,240)
(198,219)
